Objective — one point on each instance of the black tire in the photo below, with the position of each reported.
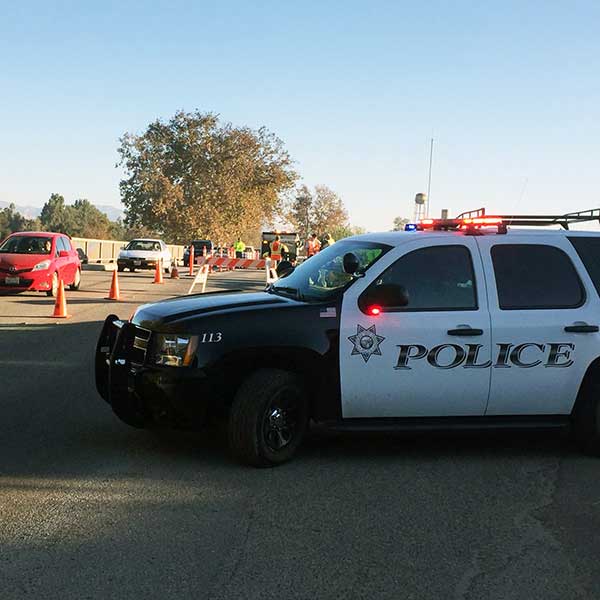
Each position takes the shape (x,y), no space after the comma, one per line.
(131,270)
(76,282)
(120,268)
(586,419)
(54,289)
(268,418)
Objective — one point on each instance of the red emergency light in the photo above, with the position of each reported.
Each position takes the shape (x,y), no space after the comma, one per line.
(470,225)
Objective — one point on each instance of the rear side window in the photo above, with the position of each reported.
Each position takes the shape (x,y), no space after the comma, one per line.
(588,249)
(532,276)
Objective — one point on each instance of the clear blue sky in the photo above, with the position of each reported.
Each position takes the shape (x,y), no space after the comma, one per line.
(510,91)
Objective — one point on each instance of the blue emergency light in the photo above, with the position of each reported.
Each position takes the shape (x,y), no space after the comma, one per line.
(410,227)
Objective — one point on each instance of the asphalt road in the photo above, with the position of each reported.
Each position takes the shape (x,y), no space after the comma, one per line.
(90,508)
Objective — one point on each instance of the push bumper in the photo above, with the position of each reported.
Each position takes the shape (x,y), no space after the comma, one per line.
(146,395)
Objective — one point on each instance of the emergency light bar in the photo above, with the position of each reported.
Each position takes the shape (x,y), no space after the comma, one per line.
(472,221)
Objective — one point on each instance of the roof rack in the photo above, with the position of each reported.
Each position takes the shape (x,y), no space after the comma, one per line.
(564,221)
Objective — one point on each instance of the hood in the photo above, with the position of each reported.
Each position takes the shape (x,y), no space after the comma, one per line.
(151,316)
(22,261)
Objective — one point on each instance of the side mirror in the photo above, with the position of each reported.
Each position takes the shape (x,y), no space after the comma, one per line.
(63,254)
(384,296)
(350,263)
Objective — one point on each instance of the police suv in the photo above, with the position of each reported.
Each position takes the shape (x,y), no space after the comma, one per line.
(456,323)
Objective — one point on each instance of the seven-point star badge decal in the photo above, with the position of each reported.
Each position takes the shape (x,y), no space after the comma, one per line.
(366,342)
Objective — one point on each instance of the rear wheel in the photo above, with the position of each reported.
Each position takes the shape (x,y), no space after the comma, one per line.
(132,269)
(54,289)
(586,419)
(120,268)
(77,281)
(268,418)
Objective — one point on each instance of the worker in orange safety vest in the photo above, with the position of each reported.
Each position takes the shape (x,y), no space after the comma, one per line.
(313,245)
(276,248)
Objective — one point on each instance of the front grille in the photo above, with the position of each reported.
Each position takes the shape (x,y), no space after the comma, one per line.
(141,341)
(22,283)
(15,272)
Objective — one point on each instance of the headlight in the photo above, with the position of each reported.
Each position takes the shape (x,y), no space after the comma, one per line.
(42,266)
(175,350)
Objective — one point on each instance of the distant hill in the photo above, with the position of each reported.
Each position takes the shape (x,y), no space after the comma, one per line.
(31,212)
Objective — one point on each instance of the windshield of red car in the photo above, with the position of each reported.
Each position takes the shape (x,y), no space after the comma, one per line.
(24,244)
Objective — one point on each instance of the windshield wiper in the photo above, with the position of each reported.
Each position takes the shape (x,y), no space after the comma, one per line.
(286,291)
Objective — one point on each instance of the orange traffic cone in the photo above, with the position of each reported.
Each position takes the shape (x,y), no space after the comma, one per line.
(158,278)
(174,271)
(60,306)
(114,293)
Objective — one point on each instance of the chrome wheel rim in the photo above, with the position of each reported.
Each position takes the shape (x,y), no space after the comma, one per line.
(281,421)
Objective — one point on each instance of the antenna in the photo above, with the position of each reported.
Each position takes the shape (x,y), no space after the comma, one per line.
(429,178)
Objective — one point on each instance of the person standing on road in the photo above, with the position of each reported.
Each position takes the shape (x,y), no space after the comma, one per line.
(240,248)
(313,245)
(276,248)
(327,241)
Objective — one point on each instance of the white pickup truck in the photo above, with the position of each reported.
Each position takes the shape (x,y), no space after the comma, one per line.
(144,253)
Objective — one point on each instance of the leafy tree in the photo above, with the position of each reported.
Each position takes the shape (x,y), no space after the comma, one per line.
(339,233)
(399,223)
(300,212)
(196,177)
(55,216)
(320,211)
(87,221)
(11,221)
(329,211)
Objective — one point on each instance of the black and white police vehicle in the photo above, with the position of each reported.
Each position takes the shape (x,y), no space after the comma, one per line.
(460,323)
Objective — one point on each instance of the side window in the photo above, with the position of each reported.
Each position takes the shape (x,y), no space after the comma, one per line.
(436,278)
(67,244)
(532,276)
(588,249)
(60,244)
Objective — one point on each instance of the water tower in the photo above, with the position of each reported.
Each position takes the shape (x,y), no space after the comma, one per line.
(420,202)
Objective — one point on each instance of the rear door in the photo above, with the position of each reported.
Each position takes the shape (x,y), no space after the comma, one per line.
(544,323)
(430,358)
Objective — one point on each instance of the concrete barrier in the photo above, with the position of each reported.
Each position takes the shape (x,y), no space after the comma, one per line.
(107,251)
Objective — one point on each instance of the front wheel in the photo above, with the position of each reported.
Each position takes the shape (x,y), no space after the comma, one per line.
(268,418)
(53,291)
(77,281)
(586,420)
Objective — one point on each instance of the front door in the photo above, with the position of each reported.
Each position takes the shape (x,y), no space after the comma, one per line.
(431,357)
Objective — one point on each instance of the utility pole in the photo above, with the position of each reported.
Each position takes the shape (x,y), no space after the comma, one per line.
(429,178)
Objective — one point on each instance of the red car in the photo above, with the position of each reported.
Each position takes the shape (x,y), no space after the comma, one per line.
(36,261)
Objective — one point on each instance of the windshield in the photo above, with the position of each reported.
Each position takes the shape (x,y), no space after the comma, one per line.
(24,244)
(322,277)
(146,245)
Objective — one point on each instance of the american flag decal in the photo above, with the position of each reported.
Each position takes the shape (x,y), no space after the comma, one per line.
(328,312)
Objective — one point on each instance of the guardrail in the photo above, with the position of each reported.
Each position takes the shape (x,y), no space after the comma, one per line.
(107,251)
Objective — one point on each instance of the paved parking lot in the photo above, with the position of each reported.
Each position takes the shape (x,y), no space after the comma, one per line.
(90,508)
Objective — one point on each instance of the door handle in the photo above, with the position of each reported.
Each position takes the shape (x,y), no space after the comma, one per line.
(465,331)
(582,328)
